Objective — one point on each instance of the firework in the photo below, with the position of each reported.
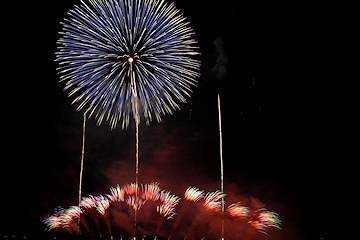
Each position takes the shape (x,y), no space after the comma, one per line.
(70,214)
(117,194)
(54,221)
(238,210)
(131,188)
(88,202)
(62,218)
(169,199)
(166,210)
(270,219)
(135,202)
(125,58)
(102,204)
(212,200)
(193,194)
(150,191)
(264,219)
(260,219)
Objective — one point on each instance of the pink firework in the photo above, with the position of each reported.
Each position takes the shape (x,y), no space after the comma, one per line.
(193,194)
(88,202)
(102,204)
(70,214)
(54,221)
(270,219)
(150,191)
(213,200)
(265,219)
(169,199)
(238,210)
(131,188)
(166,210)
(116,194)
(134,202)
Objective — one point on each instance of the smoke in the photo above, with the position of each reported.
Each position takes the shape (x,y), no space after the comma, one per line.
(220,69)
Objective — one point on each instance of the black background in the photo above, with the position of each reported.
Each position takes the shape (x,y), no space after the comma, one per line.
(288,111)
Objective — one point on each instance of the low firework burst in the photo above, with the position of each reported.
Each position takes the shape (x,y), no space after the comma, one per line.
(212,201)
(260,219)
(238,210)
(193,194)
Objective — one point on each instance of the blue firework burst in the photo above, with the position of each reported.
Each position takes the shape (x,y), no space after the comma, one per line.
(125,58)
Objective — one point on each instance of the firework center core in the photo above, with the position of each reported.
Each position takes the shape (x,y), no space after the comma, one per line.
(130,59)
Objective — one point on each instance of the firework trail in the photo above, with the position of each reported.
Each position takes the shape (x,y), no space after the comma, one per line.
(191,194)
(117,195)
(212,204)
(120,59)
(221,170)
(167,208)
(103,204)
(82,159)
(89,203)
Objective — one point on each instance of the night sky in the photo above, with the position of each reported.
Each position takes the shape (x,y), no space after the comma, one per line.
(285,77)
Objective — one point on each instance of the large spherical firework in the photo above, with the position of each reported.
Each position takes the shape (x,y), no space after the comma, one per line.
(126,58)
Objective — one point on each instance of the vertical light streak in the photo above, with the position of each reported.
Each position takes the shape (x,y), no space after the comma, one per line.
(82,159)
(222,172)
(137,120)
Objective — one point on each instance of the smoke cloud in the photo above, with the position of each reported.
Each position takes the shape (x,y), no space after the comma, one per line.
(220,69)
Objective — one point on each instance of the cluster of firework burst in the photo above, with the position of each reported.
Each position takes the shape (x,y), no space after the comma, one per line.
(136,196)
